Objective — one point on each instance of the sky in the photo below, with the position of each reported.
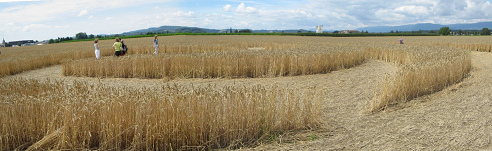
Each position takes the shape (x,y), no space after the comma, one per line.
(46,19)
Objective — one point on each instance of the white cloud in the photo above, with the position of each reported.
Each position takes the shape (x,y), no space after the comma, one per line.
(33,27)
(227,8)
(303,13)
(389,12)
(389,16)
(412,10)
(270,14)
(181,13)
(243,9)
(48,10)
(207,21)
(83,13)
(61,27)
(243,23)
(9,27)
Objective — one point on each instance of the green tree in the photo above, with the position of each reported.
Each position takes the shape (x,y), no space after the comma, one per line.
(91,36)
(460,32)
(485,31)
(51,41)
(444,31)
(236,31)
(81,35)
(245,31)
(392,31)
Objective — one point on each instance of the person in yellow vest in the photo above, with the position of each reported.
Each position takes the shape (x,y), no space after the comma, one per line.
(123,47)
(117,47)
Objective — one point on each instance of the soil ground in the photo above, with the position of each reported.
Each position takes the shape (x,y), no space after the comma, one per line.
(456,118)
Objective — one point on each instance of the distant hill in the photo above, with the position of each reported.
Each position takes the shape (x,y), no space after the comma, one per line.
(280,31)
(375,29)
(428,26)
(184,29)
(170,29)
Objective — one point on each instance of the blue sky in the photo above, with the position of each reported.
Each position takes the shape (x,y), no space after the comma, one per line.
(45,19)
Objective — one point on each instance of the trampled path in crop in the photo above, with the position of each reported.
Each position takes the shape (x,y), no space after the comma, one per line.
(456,118)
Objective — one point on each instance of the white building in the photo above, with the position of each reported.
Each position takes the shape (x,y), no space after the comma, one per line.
(319,29)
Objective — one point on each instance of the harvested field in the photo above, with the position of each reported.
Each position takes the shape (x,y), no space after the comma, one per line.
(426,94)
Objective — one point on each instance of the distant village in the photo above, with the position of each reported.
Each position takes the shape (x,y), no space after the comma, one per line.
(35,42)
(21,43)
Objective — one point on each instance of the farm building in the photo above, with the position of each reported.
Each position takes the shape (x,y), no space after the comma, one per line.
(21,42)
(319,29)
(349,32)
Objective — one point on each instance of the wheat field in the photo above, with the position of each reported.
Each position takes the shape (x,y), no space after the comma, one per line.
(76,115)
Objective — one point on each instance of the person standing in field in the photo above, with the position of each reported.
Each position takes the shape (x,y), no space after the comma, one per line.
(117,47)
(96,45)
(156,45)
(123,48)
(401,40)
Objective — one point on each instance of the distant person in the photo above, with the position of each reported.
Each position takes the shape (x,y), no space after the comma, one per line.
(123,48)
(96,45)
(156,45)
(117,47)
(401,40)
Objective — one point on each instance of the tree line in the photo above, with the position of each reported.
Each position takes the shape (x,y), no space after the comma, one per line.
(78,36)
(443,31)
(447,31)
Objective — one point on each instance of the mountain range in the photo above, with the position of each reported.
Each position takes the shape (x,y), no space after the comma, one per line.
(428,26)
(374,29)
(184,29)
